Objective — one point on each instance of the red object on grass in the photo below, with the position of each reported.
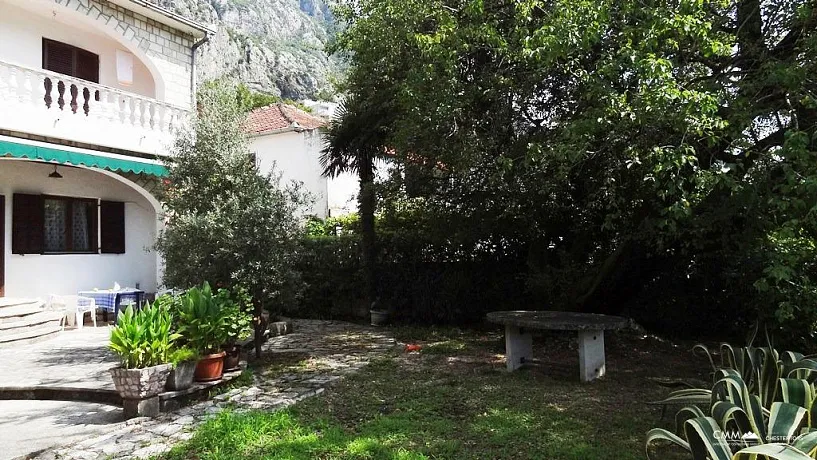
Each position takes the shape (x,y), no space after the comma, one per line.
(412,347)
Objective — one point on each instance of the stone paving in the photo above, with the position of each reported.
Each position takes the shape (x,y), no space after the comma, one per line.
(321,352)
(75,358)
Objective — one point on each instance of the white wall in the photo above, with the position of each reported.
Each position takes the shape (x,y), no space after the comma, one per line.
(22,32)
(343,191)
(34,275)
(296,156)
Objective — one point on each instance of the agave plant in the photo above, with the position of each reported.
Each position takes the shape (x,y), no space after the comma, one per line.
(759,367)
(143,338)
(735,420)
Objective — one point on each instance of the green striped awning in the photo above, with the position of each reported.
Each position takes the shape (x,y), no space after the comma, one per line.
(65,156)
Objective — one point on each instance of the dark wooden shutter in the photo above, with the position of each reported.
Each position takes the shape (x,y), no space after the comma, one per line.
(93,217)
(112,227)
(58,57)
(70,60)
(27,224)
(87,66)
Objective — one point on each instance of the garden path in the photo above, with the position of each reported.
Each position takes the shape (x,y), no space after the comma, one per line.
(295,366)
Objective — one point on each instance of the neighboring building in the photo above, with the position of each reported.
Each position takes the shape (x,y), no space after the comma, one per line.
(290,140)
(91,91)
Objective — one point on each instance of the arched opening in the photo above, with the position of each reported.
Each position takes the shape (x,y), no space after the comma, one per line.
(23,28)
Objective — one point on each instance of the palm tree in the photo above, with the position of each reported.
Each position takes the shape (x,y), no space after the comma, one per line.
(353,142)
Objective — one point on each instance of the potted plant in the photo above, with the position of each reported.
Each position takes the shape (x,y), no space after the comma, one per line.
(203,324)
(379,315)
(143,341)
(184,362)
(237,308)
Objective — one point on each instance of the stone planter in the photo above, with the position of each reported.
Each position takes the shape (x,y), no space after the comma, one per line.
(379,317)
(181,377)
(140,383)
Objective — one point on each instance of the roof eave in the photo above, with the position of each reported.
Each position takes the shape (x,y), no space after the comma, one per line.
(288,129)
(167,17)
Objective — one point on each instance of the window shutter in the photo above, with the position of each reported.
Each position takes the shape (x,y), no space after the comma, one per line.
(87,66)
(93,226)
(112,227)
(58,57)
(27,224)
(70,60)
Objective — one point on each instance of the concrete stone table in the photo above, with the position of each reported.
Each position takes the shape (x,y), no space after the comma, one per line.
(591,327)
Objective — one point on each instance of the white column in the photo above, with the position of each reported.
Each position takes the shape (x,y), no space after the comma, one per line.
(518,347)
(591,355)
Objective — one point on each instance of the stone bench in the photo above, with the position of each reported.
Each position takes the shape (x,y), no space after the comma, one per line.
(591,327)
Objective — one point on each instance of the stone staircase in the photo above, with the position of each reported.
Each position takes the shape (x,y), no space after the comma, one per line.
(24,321)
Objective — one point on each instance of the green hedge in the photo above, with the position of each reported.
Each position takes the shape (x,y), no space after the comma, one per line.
(413,281)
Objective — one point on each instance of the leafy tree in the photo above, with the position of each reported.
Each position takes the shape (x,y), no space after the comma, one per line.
(624,147)
(226,222)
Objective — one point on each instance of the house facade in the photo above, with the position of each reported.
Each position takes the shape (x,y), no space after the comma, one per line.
(91,92)
(289,140)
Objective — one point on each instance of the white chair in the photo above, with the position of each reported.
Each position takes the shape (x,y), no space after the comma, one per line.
(74,307)
(84,305)
(57,303)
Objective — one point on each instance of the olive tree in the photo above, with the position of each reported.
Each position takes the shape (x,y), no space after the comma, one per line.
(227,223)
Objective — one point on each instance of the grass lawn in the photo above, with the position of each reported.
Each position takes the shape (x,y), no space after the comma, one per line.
(455,400)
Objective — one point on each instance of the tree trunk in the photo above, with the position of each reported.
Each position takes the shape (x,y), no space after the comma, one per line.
(259,333)
(366,206)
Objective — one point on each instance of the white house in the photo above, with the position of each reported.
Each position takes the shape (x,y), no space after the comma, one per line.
(290,140)
(90,94)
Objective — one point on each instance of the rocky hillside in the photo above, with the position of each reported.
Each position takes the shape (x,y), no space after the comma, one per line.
(276,46)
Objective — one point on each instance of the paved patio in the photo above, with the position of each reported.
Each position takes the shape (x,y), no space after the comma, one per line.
(324,351)
(76,358)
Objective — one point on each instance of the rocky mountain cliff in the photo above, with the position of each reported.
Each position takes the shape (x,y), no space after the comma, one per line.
(275,46)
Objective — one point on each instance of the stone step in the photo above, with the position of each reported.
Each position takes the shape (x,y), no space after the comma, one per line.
(29,335)
(11,310)
(34,319)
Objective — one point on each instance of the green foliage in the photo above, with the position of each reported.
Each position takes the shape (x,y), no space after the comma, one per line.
(348,224)
(249,100)
(783,429)
(227,222)
(202,321)
(649,154)
(237,308)
(181,355)
(757,391)
(420,279)
(143,338)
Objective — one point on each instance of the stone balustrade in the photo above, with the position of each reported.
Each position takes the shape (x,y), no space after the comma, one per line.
(49,104)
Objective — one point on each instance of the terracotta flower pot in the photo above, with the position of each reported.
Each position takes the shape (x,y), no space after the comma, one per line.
(210,367)
(232,359)
(140,383)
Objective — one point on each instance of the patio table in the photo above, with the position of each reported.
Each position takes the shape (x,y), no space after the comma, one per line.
(110,300)
(591,327)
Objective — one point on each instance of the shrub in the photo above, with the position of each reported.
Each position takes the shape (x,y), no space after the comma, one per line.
(181,355)
(143,338)
(237,308)
(418,281)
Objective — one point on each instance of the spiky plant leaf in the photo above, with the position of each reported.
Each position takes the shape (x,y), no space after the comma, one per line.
(771,451)
(661,435)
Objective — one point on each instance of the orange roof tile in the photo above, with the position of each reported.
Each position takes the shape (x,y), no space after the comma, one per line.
(281,116)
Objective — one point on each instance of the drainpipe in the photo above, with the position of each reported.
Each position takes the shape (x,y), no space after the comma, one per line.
(193,68)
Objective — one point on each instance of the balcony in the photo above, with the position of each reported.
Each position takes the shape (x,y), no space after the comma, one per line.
(53,105)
